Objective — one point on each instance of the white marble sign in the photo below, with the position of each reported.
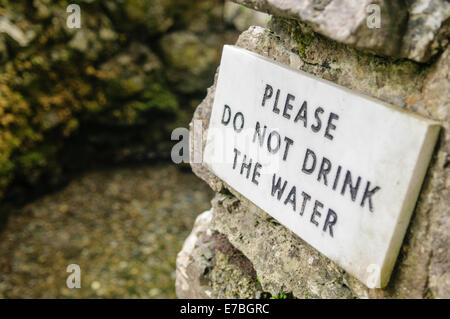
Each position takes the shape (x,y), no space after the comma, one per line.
(341,170)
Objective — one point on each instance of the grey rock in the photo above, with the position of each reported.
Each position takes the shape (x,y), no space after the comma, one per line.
(418,37)
(191,59)
(134,68)
(153,15)
(426,19)
(283,262)
(208,266)
(188,273)
(23,38)
(343,21)
(242,18)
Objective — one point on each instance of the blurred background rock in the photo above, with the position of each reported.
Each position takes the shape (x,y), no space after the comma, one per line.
(106,94)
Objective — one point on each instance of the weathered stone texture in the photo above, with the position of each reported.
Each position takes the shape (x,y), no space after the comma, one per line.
(285,263)
(208,266)
(425,22)
(290,263)
(427,30)
(242,18)
(67,93)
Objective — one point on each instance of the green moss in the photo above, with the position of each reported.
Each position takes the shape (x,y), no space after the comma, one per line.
(158,97)
(429,294)
(80,85)
(281,295)
(302,34)
(32,159)
(303,41)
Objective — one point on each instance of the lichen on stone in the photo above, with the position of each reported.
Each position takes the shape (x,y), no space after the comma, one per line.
(285,263)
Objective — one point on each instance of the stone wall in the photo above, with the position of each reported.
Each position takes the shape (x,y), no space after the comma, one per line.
(110,91)
(238,250)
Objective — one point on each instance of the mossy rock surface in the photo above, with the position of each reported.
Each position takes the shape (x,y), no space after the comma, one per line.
(109,91)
